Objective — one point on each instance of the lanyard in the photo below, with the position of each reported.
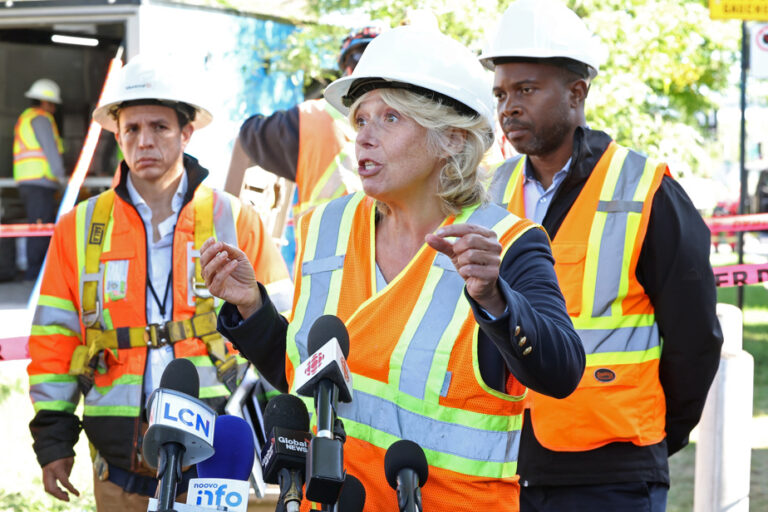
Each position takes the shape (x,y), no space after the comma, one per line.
(160,305)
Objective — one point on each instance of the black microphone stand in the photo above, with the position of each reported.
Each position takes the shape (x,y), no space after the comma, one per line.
(169,473)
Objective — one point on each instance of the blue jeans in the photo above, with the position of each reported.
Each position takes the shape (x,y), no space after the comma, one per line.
(622,497)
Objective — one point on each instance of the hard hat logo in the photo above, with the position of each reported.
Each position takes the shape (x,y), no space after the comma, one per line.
(149,80)
(544,29)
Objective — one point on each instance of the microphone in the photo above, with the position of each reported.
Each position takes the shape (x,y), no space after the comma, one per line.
(223,478)
(406,469)
(352,498)
(181,428)
(283,457)
(326,376)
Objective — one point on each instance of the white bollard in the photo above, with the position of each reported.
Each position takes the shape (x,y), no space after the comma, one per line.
(724,450)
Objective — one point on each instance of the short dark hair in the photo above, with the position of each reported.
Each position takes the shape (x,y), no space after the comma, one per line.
(573,68)
(185,113)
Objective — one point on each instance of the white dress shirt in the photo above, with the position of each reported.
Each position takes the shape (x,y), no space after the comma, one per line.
(159,267)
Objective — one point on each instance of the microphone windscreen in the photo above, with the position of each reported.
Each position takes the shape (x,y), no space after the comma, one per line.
(181,375)
(286,411)
(235,450)
(352,498)
(405,454)
(325,328)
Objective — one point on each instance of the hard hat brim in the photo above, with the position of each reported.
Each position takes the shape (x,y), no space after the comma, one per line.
(40,97)
(101,115)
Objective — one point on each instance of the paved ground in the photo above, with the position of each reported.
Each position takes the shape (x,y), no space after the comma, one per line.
(14,294)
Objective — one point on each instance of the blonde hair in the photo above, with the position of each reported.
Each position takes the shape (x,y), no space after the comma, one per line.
(461,182)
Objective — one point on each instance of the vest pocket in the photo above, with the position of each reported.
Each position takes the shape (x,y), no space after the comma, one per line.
(570,261)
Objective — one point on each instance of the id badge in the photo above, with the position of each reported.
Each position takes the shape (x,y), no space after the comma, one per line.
(116,279)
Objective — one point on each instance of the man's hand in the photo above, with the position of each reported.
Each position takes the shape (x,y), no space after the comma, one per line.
(59,471)
(229,276)
(476,254)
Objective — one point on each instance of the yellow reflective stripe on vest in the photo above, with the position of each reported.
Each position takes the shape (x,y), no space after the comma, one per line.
(505,179)
(602,325)
(321,270)
(29,160)
(429,322)
(480,444)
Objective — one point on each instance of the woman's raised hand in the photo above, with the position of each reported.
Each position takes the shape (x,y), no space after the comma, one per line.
(476,254)
(229,276)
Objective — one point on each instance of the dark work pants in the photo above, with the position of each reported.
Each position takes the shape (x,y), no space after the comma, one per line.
(623,497)
(40,206)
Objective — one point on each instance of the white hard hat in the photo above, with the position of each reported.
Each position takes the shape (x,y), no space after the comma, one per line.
(149,78)
(423,61)
(44,90)
(543,29)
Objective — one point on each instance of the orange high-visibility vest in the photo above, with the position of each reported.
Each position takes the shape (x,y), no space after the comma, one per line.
(29,161)
(326,167)
(596,250)
(413,358)
(61,325)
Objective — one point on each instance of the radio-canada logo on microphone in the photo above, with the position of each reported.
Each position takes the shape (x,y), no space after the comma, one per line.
(315,362)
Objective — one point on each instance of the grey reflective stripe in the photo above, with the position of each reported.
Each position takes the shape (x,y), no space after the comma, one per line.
(320,282)
(629,178)
(625,339)
(224,219)
(49,315)
(418,357)
(487,215)
(620,206)
(445,299)
(431,433)
(118,395)
(612,243)
(322,265)
(55,391)
(501,178)
(208,378)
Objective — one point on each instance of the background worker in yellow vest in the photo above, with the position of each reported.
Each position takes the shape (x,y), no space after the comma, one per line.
(632,258)
(122,293)
(37,164)
(451,304)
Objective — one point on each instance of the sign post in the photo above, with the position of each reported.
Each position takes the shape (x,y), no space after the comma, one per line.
(754,10)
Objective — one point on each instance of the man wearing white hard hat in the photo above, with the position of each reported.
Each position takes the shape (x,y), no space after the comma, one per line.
(37,164)
(451,304)
(122,294)
(632,258)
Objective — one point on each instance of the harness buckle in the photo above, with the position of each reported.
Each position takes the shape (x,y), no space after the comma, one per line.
(157,335)
(200,290)
(91,317)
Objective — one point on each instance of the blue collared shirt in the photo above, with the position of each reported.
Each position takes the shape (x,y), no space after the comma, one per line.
(537,199)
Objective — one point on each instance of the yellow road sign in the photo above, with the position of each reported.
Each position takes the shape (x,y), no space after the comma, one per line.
(756,10)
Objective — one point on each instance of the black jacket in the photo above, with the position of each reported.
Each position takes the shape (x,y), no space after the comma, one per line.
(675,272)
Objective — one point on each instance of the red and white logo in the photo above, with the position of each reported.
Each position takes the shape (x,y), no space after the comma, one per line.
(345,368)
(314,363)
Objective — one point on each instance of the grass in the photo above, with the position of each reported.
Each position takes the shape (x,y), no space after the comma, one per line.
(755,341)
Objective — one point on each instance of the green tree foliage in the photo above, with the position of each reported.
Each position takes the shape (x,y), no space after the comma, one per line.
(667,62)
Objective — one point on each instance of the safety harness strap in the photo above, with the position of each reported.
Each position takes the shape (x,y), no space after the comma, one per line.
(226,364)
(202,325)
